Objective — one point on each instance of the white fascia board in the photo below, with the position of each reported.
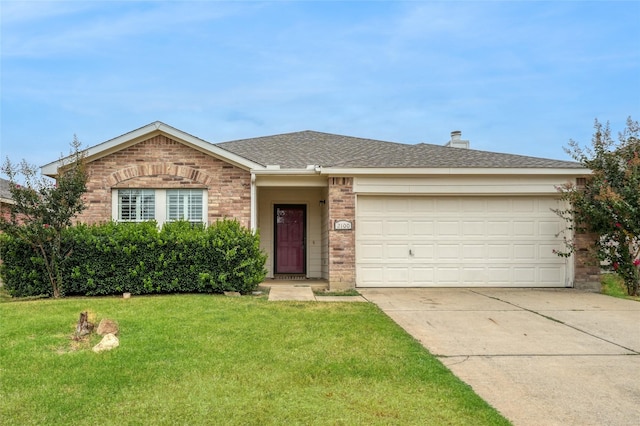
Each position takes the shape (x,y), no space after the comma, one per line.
(453,171)
(284,172)
(150,130)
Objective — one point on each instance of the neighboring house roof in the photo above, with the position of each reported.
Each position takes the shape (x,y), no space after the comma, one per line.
(5,194)
(297,150)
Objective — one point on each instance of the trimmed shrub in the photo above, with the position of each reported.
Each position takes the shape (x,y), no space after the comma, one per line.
(23,273)
(114,258)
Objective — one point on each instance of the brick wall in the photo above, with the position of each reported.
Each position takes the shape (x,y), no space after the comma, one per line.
(342,253)
(162,163)
(586,264)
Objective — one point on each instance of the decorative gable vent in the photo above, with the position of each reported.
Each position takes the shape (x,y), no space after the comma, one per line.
(456,141)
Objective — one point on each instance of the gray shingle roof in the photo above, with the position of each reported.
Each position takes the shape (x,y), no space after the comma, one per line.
(299,149)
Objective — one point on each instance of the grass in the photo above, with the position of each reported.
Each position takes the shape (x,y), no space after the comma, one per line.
(201,359)
(613,285)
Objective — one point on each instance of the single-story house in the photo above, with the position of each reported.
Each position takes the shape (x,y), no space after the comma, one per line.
(354,212)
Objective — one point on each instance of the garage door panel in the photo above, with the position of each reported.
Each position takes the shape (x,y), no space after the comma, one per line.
(523,229)
(473,276)
(447,205)
(446,241)
(499,275)
(422,276)
(423,251)
(421,204)
(473,205)
(546,205)
(448,252)
(524,251)
(397,252)
(548,228)
(523,205)
(474,251)
(372,275)
(396,228)
(498,251)
(421,229)
(395,276)
(370,228)
(550,276)
(498,205)
(397,205)
(546,252)
(498,228)
(473,228)
(524,274)
(371,252)
(448,229)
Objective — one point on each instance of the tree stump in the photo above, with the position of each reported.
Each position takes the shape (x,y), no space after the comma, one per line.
(84,327)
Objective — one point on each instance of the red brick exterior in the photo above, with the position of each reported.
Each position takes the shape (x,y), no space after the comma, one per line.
(586,264)
(342,243)
(163,163)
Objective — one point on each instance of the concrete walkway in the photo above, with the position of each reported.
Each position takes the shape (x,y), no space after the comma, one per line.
(541,357)
(305,293)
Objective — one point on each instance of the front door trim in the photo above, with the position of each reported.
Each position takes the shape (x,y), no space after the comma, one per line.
(303,266)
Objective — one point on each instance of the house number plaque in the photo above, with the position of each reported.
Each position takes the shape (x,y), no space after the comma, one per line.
(343,225)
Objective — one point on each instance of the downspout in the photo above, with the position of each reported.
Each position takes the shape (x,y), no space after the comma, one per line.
(253,210)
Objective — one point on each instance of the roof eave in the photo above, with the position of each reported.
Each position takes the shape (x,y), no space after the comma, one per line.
(285,172)
(454,171)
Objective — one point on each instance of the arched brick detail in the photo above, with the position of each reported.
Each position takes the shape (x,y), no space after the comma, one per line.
(155,169)
(163,163)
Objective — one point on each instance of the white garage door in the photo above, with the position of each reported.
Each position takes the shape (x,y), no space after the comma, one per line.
(458,242)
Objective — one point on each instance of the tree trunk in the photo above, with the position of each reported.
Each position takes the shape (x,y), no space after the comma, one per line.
(84,327)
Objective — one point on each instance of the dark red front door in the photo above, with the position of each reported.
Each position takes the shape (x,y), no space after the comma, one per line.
(290,239)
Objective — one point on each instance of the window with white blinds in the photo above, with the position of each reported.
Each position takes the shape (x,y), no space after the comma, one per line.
(136,205)
(161,205)
(184,204)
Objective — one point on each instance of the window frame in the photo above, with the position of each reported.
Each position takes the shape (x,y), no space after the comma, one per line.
(161,206)
(141,203)
(184,204)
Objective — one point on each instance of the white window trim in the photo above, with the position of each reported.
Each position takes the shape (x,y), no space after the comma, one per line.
(160,204)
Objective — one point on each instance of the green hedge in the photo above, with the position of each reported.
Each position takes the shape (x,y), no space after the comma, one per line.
(114,258)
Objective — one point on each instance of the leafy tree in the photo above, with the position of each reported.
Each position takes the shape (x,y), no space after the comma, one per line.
(609,202)
(42,209)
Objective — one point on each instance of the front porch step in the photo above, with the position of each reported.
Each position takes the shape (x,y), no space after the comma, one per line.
(290,277)
(314,284)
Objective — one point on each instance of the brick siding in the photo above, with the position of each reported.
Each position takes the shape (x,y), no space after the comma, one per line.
(586,263)
(342,243)
(162,163)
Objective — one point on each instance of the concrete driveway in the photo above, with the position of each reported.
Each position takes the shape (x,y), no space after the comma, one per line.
(539,356)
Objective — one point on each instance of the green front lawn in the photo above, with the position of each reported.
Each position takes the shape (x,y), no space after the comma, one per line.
(201,359)
(613,285)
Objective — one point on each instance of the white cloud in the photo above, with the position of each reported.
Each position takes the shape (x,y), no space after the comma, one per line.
(49,29)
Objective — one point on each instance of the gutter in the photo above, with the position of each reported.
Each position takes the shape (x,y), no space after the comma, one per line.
(451,171)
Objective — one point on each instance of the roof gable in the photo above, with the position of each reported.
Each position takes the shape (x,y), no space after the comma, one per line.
(131,138)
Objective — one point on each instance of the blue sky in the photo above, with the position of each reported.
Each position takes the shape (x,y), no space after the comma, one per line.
(516,77)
